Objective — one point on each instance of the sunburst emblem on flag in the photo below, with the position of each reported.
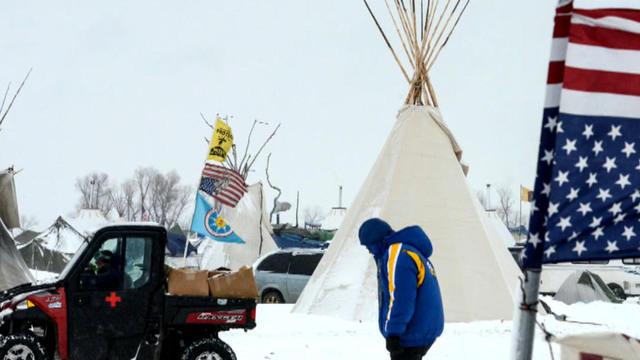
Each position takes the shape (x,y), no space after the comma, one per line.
(216,225)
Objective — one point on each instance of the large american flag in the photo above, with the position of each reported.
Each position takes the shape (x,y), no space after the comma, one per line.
(587,190)
(223,184)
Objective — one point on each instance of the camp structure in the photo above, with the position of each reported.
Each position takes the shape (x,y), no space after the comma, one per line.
(13,269)
(52,249)
(250,221)
(585,287)
(418,179)
(334,219)
(598,346)
(88,221)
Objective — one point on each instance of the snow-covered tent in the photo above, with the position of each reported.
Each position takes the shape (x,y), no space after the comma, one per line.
(418,180)
(604,345)
(250,221)
(584,286)
(333,221)
(52,249)
(13,270)
(88,221)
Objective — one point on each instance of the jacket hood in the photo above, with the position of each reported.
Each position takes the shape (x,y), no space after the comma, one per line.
(413,236)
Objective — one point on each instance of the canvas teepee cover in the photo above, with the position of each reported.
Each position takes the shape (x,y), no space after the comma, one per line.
(418,180)
(249,219)
(13,270)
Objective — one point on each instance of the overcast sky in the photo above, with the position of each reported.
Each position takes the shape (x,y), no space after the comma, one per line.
(120,84)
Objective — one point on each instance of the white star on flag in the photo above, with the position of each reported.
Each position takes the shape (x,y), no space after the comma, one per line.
(548,157)
(563,177)
(573,236)
(597,147)
(609,164)
(629,149)
(592,179)
(582,163)
(635,195)
(611,246)
(559,127)
(552,209)
(597,233)
(595,222)
(588,131)
(534,240)
(564,222)
(628,232)
(570,146)
(550,251)
(585,208)
(615,132)
(579,248)
(573,194)
(616,208)
(623,181)
(637,207)
(638,167)
(546,189)
(618,218)
(604,194)
(551,123)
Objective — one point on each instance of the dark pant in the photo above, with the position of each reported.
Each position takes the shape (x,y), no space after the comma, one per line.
(410,353)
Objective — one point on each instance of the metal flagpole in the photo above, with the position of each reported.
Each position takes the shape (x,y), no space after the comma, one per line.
(525,316)
(520,216)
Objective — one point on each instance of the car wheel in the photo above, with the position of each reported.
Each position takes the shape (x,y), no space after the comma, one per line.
(617,290)
(208,349)
(272,297)
(21,347)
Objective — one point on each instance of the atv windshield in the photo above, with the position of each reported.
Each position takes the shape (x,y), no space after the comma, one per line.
(73,260)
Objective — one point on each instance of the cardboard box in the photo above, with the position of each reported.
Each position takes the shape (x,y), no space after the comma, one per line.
(188,282)
(239,284)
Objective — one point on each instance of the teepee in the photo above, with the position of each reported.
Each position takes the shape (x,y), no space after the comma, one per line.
(250,221)
(418,179)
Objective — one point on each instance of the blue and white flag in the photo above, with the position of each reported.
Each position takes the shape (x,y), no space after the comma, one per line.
(207,223)
(587,191)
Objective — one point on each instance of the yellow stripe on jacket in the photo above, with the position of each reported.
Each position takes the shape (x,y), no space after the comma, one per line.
(419,265)
(394,252)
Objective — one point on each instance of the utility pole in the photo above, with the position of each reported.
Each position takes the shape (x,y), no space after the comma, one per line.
(488,197)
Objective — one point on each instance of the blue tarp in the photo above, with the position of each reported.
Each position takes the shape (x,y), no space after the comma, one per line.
(175,245)
(289,240)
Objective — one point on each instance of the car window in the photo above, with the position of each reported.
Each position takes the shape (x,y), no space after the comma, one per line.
(277,263)
(137,262)
(103,271)
(304,264)
(631,261)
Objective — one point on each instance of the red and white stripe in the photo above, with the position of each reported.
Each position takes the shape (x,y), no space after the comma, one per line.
(562,23)
(602,67)
(233,191)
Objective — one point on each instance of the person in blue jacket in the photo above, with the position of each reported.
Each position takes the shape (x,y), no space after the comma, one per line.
(410,314)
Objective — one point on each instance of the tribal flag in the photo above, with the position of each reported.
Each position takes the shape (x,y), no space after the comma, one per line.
(526,194)
(223,184)
(208,223)
(587,190)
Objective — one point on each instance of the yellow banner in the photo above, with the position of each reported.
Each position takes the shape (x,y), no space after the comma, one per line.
(221,141)
(526,194)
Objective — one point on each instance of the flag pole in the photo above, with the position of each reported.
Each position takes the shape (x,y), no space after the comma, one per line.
(525,316)
(520,216)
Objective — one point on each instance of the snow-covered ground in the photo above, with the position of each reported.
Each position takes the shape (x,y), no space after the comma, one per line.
(281,335)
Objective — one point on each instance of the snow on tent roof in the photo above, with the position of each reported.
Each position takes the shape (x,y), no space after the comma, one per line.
(584,286)
(61,236)
(89,221)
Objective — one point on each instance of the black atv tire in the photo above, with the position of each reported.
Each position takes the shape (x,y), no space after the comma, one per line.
(272,297)
(22,347)
(208,349)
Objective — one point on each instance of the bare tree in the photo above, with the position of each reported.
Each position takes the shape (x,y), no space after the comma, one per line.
(314,214)
(167,198)
(95,192)
(507,206)
(123,200)
(143,178)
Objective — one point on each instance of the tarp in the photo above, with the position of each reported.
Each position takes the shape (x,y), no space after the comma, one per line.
(605,345)
(8,201)
(175,245)
(584,286)
(418,180)
(13,270)
(250,221)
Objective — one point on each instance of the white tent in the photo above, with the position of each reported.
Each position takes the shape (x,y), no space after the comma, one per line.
(13,270)
(88,221)
(333,221)
(585,287)
(250,221)
(418,179)
(604,345)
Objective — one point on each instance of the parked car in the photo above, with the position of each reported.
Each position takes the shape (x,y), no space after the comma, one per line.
(282,274)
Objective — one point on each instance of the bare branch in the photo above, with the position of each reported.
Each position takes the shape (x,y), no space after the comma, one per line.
(3,116)
(207,121)
(246,149)
(262,147)
(275,200)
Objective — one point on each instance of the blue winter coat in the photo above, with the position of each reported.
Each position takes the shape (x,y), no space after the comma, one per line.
(408,290)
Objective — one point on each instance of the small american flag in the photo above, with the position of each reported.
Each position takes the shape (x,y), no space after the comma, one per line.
(223,184)
(587,191)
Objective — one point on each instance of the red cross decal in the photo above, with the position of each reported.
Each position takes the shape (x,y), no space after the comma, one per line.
(113,299)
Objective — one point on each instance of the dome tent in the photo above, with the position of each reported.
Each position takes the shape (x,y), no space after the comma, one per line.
(584,286)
